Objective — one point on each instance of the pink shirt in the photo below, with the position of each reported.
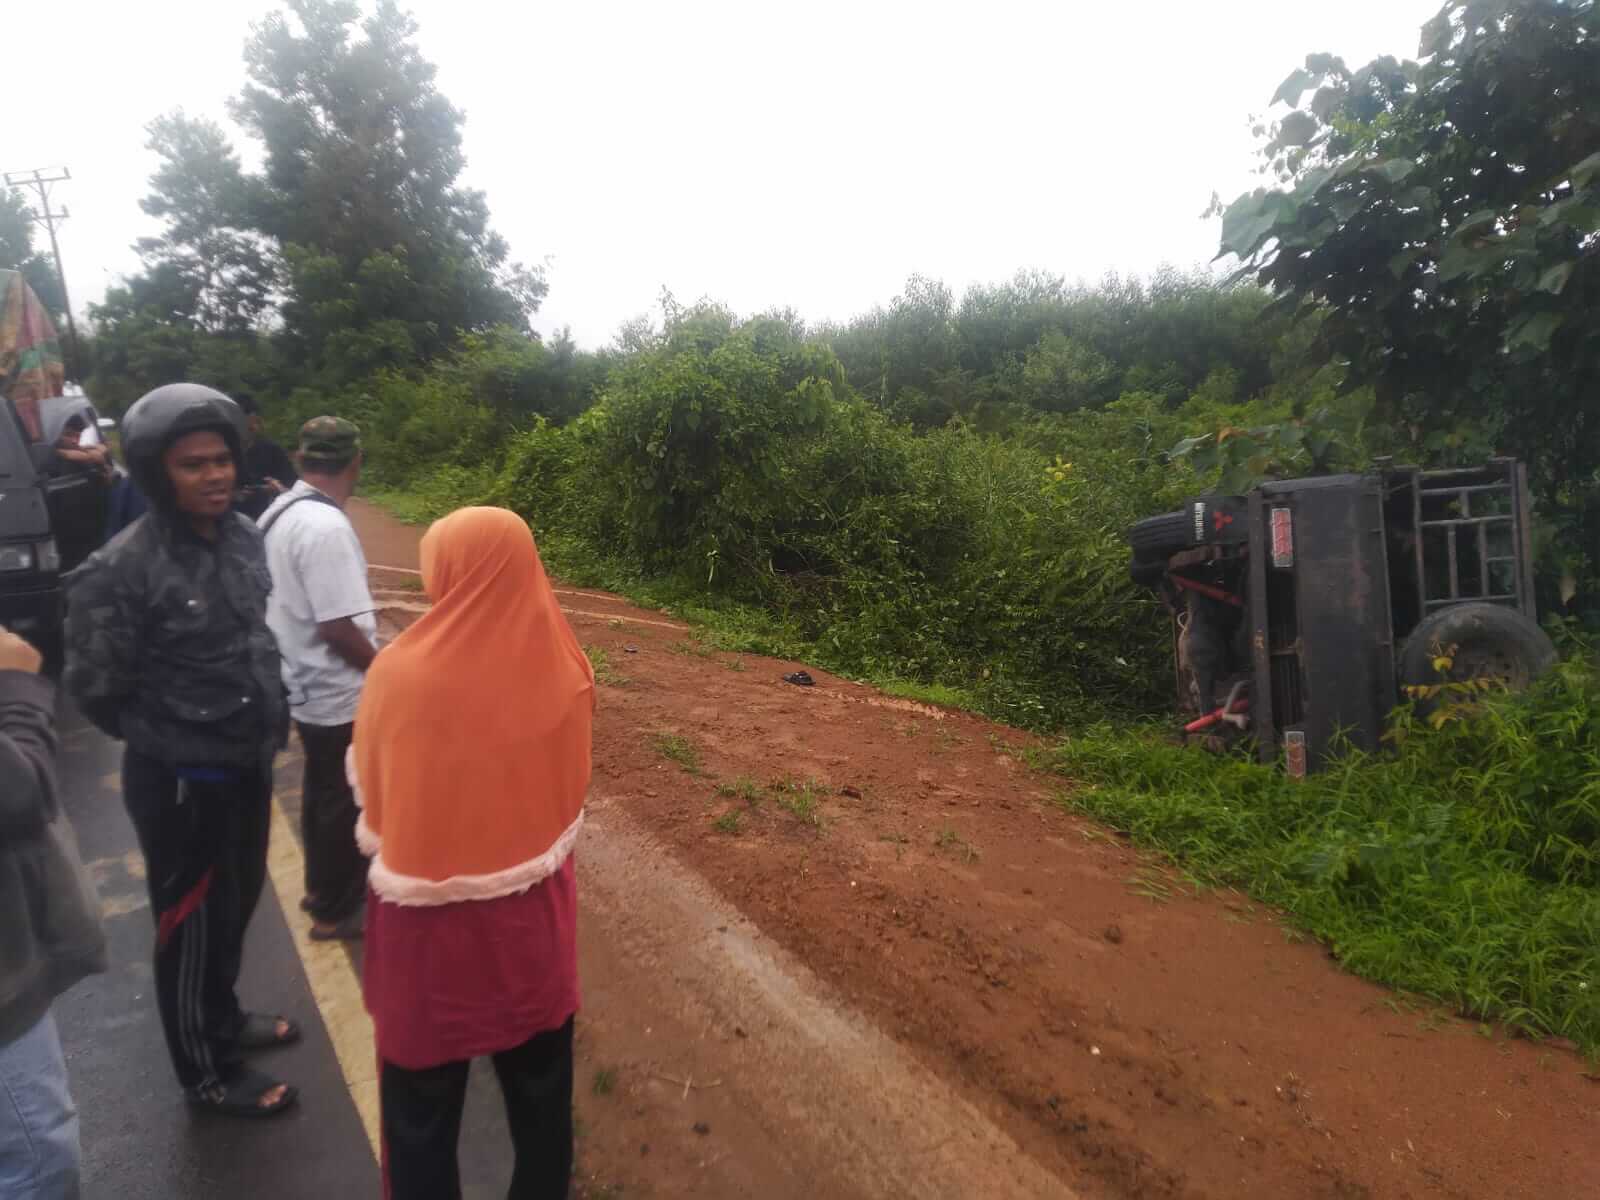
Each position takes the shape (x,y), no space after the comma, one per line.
(457,981)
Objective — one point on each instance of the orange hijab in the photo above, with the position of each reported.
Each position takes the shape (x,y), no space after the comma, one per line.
(472,742)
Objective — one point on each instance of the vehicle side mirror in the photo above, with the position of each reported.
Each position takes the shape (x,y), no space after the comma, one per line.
(43,456)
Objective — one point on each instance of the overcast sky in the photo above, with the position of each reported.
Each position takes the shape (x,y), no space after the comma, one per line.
(811,155)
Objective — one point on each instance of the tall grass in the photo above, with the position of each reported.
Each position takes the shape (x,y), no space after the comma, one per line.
(1464,865)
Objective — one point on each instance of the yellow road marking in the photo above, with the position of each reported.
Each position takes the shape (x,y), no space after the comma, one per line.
(332,979)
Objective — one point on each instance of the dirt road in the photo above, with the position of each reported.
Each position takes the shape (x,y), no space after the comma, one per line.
(837,944)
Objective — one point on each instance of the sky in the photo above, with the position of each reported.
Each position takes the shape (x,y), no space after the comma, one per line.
(810,156)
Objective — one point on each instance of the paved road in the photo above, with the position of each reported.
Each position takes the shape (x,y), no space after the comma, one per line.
(140,1140)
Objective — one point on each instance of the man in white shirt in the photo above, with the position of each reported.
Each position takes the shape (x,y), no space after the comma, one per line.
(323,617)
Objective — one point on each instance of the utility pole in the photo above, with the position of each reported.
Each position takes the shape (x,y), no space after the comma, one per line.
(40,180)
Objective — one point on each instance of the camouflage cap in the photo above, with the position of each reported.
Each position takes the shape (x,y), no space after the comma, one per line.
(330,440)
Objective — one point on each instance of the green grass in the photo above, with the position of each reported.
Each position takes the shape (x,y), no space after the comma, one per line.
(604,672)
(605,1081)
(678,749)
(799,797)
(927,693)
(1464,866)
(728,822)
(693,645)
(743,787)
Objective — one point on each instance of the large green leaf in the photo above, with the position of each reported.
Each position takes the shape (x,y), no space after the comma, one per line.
(1534,331)
(1326,101)
(1251,219)
(1478,223)
(1297,129)
(1584,172)
(1466,262)
(1554,279)
(1292,88)
(1395,170)
(1403,262)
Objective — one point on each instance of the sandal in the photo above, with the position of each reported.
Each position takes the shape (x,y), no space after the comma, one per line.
(240,1095)
(260,1032)
(347,930)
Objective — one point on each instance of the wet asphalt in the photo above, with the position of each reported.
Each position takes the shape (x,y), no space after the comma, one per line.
(140,1140)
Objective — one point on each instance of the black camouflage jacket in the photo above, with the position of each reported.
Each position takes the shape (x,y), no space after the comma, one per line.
(168,646)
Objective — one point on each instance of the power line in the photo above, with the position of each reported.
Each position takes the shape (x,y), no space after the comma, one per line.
(40,180)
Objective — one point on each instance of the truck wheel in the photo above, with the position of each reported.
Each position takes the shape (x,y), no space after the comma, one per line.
(1489,642)
(1161,537)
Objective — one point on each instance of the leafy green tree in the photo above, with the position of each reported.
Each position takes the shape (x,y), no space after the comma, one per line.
(209,242)
(1443,218)
(1061,374)
(389,257)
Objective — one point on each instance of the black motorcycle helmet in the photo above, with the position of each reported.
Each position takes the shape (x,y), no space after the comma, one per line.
(159,418)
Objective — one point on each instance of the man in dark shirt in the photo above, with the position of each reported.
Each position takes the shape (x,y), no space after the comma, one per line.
(267,470)
(168,648)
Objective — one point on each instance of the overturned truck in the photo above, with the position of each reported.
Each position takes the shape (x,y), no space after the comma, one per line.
(1305,610)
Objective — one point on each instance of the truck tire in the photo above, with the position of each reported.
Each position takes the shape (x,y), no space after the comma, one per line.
(1161,537)
(1490,642)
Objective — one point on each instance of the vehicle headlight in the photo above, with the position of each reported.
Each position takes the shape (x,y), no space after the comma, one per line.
(16,558)
(48,556)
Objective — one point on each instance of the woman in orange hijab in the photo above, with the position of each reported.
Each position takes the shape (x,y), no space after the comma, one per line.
(471,762)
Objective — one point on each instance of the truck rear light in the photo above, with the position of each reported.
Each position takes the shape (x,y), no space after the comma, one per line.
(1282,538)
(1294,753)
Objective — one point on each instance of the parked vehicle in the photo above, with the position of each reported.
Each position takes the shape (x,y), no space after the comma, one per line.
(50,517)
(1304,611)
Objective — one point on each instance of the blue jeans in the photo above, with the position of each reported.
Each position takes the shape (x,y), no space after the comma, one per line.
(39,1152)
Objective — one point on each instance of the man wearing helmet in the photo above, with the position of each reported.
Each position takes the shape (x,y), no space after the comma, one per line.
(168,649)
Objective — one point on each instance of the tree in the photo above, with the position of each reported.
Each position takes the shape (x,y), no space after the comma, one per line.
(389,257)
(1444,218)
(1061,374)
(210,242)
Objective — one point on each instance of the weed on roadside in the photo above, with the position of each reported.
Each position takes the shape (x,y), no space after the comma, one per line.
(728,822)
(604,672)
(743,788)
(692,646)
(605,1081)
(1151,884)
(926,693)
(679,749)
(799,797)
(949,840)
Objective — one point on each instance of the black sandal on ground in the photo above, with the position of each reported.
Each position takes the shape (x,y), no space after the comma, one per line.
(348,929)
(240,1095)
(260,1032)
